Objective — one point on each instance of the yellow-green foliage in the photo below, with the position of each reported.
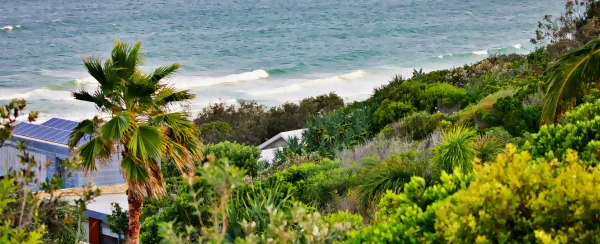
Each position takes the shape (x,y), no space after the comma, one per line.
(519,200)
(409,217)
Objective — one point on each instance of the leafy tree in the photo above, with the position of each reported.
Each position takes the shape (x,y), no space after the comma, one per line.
(242,156)
(137,123)
(118,221)
(248,121)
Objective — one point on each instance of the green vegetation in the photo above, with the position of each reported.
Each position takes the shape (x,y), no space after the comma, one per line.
(428,159)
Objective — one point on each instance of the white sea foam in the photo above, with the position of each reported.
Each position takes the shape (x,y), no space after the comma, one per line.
(186,82)
(441,56)
(517,46)
(450,54)
(311,83)
(37,94)
(56,20)
(7,28)
(480,52)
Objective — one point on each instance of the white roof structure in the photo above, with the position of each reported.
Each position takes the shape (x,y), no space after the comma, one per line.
(286,136)
(268,155)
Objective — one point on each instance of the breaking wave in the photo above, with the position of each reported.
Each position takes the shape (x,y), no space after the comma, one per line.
(299,86)
(186,82)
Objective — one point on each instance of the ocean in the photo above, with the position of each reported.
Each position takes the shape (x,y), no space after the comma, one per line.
(270,51)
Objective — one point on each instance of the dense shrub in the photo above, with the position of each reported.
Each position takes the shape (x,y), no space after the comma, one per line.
(410,217)
(417,126)
(214,132)
(581,134)
(512,113)
(391,174)
(519,200)
(245,157)
(248,121)
(336,131)
(390,111)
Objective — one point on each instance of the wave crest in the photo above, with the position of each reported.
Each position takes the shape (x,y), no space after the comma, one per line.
(299,86)
(191,82)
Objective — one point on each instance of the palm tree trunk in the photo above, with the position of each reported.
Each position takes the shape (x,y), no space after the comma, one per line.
(135,209)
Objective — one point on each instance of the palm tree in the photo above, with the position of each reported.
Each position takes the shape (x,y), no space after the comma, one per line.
(136,121)
(568,77)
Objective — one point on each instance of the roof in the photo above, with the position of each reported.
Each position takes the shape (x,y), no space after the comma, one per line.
(286,135)
(54,130)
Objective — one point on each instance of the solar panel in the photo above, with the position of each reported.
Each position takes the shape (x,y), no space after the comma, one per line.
(54,130)
(62,124)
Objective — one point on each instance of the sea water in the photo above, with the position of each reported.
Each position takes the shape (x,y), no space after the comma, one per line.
(269,51)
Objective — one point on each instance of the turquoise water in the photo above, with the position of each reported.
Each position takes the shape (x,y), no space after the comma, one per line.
(269,51)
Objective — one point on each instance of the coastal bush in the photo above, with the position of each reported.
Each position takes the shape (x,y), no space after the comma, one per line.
(390,175)
(512,114)
(417,126)
(214,132)
(248,121)
(488,146)
(521,200)
(336,131)
(580,131)
(456,150)
(242,156)
(390,111)
(410,217)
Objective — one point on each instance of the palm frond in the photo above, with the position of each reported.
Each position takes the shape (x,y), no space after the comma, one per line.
(145,179)
(84,96)
(181,131)
(164,71)
(567,76)
(85,127)
(168,95)
(115,128)
(94,151)
(95,69)
(126,59)
(134,170)
(182,158)
(147,143)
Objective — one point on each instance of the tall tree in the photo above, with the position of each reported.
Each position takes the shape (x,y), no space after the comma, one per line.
(136,121)
(569,77)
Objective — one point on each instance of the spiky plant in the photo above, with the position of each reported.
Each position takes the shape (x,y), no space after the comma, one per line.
(136,121)
(456,150)
(569,76)
(489,146)
(390,175)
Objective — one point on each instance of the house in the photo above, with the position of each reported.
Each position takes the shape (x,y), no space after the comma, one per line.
(280,140)
(47,143)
